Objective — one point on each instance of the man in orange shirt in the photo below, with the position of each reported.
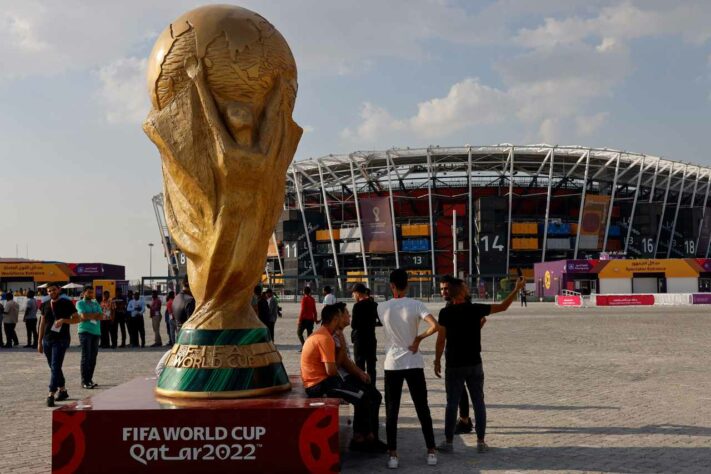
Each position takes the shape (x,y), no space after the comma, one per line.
(320,376)
(307,316)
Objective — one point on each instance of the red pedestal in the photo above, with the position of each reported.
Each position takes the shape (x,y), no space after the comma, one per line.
(126,429)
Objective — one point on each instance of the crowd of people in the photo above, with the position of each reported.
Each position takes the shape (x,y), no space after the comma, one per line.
(329,370)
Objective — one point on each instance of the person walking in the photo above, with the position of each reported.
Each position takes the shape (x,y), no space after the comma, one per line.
(274,312)
(524,297)
(183,307)
(91,316)
(307,316)
(118,315)
(328,296)
(30,319)
(2,318)
(137,328)
(365,320)
(460,330)
(105,320)
(401,317)
(155,308)
(57,314)
(169,319)
(12,315)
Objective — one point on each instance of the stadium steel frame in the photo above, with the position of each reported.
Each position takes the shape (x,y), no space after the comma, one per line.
(338,180)
(581,169)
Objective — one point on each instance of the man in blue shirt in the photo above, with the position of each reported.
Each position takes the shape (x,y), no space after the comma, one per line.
(137,328)
(89,330)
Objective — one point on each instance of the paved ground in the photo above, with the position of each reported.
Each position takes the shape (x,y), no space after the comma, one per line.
(611,390)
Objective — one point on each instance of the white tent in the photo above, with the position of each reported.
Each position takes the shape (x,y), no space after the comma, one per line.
(43,285)
(72,286)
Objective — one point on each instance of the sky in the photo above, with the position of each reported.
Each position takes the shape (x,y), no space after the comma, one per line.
(79,173)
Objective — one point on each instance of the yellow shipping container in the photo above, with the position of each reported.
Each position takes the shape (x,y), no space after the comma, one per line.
(524,228)
(573,229)
(415,230)
(524,244)
(322,235)
(356,277)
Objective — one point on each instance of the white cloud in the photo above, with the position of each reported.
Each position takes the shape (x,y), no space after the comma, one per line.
(587,125)
(123,90)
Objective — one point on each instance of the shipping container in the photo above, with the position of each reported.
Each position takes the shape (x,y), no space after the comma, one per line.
(524,228)
(349,232)
(323,235)
(415,230)
(558,243)
(524,244)
(350,247)
(415,245)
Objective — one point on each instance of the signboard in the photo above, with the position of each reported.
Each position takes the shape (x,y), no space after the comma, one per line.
(139,434)
(39,271)
(580,266)
(672,267)
(644,230)
(377,225)
(492,236)
(701,298)
(569,300)
(592,226)
(624,300)
(415,260)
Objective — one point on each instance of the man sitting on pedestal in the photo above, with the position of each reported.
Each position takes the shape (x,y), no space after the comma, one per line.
(320,376)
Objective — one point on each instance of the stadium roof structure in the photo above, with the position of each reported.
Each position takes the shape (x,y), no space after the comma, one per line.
(530,165)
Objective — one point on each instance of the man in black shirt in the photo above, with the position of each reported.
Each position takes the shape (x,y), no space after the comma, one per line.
(54,339)
(363,323)
(460,328)
(183,307)
(119,316)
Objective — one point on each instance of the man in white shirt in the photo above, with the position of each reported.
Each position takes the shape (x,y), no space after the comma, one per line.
(328,297)
(401,318)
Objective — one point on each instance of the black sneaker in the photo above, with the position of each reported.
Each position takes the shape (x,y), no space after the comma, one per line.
(482,447)
(87,386)
(94,384)
(50,401)
(63,395)
(463,427)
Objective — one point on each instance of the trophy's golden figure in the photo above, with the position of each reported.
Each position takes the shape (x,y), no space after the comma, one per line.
(222,82)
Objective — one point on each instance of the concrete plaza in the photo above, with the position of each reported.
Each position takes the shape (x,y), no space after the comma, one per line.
(568,390)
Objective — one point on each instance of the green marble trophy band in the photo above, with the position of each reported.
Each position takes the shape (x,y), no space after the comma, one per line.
(227,363)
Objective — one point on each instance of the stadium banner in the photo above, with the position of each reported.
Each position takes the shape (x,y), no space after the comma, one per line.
(569,300)
(377,225)
(592,229)
(624,300)
(701,298)
(704,234)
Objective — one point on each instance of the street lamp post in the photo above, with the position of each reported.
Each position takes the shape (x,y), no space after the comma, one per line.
(150,262)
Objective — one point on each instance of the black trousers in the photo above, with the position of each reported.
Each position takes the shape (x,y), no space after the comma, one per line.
(118,322)
(31,327)
(366,400)
(89,352)
(307,326)
(365,358)
(105,330)
(270,326)
(11,334)
(137,330)
(418,392)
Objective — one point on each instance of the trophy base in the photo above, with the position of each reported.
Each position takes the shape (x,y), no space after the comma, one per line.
(228,363)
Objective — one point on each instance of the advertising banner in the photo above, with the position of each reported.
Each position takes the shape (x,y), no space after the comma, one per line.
(571,300)
(377,225)
(40,272)
(701,298)
(625,300)
(592,227)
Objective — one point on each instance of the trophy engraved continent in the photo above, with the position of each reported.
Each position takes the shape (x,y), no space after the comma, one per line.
(222,82)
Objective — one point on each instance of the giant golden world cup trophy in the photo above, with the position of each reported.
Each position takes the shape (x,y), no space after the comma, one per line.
(222,81)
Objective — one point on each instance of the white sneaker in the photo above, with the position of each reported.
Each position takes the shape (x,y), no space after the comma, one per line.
(431,459)
(393,462)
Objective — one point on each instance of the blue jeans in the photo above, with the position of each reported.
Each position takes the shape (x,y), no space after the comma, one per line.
(89,352)
(54,351)
(455,378)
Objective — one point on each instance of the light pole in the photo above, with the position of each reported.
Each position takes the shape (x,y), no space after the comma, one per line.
(150,262)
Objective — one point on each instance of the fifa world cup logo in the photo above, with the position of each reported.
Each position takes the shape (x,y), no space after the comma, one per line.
(223,83)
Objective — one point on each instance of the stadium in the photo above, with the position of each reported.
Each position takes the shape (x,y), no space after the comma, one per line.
(479,212)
